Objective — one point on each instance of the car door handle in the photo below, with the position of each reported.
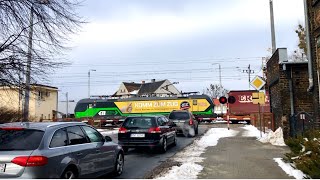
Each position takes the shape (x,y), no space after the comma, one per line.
(79,154)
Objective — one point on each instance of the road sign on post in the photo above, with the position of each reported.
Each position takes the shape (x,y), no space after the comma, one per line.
(258,97)
(257,83)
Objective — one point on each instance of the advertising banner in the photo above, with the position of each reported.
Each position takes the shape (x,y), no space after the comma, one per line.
(162,106)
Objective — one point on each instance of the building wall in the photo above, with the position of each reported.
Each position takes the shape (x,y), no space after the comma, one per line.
(278,82)
(313,13)
(122,90)
(37,105)
(275,85)
(171,88)
(9,98)
(44,106)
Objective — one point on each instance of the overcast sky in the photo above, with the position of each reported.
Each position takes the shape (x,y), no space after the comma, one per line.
(179,40)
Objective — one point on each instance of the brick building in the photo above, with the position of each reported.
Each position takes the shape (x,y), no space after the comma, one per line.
(314,27)
(287,79)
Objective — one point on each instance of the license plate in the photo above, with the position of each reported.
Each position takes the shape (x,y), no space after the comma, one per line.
(138,135)
(2,167)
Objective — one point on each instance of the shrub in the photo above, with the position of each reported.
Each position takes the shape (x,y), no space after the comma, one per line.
(7,115)
(305,153)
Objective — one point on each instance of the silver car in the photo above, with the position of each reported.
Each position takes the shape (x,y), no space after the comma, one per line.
(185,122)
(57,150)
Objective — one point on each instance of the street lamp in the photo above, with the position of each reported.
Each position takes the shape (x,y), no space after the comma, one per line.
(29,58)
(89,81)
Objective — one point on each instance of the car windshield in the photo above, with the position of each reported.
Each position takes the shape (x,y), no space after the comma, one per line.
(179,115)
(139,122)
(26,139)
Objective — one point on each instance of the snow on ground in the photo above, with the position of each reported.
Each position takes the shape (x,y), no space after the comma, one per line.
(291,171)
(106,132)
(191,155)
(275,138)
(252,131)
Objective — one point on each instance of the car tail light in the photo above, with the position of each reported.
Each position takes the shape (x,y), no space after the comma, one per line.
(191,122)
(155,130)
(27,161)
(122,130)
(12,128)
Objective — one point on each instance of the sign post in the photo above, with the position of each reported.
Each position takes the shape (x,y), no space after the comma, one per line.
(258,98)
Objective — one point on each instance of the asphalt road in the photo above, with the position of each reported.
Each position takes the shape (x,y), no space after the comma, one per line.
(140,162)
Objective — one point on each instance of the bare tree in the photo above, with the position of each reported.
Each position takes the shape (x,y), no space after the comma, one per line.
(300,53)
(215,91)
(52,22)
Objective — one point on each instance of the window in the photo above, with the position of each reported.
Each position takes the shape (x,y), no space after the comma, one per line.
(24,139)
(41,95)
(161,122)
(139,122)
(165,119)
(179,115)
(59,139)
(93,135)
(76,136)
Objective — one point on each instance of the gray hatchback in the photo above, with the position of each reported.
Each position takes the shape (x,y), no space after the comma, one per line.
(57,150)
(185,121)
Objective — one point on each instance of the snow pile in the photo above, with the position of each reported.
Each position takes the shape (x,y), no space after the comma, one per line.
(252,131)
(185,171)
(275,138)
(286,167)
(190,155)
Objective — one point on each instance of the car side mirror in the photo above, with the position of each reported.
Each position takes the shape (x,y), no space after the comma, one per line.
(107,138)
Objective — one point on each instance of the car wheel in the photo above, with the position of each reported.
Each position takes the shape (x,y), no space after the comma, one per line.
(125,149)
(164,145)
(175,141)
(118,166)
(196,131)
(69,173)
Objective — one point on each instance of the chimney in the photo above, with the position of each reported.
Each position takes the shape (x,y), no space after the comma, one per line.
(142,82)
(153,80)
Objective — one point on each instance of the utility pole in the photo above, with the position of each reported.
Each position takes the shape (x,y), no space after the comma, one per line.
(29,57)
(220,82)
(249,72)
(273,36)
(67,104)
(89,81)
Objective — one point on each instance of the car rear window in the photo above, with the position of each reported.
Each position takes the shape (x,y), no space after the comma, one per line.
(139,122)
(179,115)
(25,139)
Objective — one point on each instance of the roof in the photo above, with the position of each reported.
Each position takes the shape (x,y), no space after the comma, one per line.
(132,86)
(294,62)
(45,86)
(38,125)
(148,88)
(31,85)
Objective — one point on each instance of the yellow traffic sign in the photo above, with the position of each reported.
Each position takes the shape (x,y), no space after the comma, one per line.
(257,83)
(258,98)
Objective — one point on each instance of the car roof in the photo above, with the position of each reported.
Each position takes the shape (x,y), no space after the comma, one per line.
(180,111)
(146,116)
(39,125)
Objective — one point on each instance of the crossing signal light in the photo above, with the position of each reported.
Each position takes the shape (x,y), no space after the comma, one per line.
(230,100)
(223,100)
